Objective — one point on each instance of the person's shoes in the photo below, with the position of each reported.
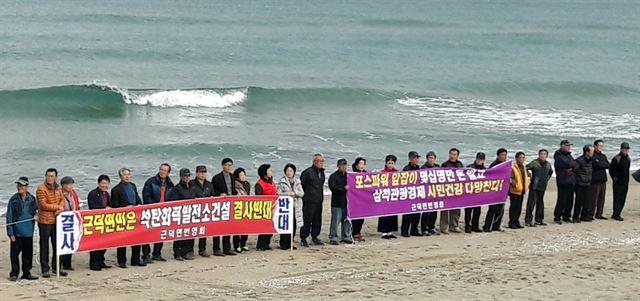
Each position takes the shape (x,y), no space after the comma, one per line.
(540,224)
(467,230)
(528,224)
(238,250)
(62,273)
(317,242)
(618,218)
(333,243)
(204,254)
(444,231)
(68,268)
(358,238)
(404,235)
(513,227)
(105,266)
(46,274)
(601,217)
(348,242)
(392,236)
(456,230)
(147,260)
(497,230)
(486,230)
(433,232)
(246,249)
(304,243)
(139,264)
(385,236)
(178,258)
(416,234)
(557,221)
(519,226)
(13,278)
(476,229)
(122,265)
(218,253)
(566,220)
(189,256)
(30,277)
(230,253)
(158,258)
(585,219)
(426,233)
(97,269)
(576,221)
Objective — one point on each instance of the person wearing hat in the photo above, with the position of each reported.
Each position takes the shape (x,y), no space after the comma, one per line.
(202,188)
(449,219)
(541,172)
(99,199)
(155,190)
(312,180)
(50,204)
(71,203)
(338,187)
(428,219)
(619,171)
(22,212)
(224,184)
(598,187)
(565,167)
(182,249)
(265,186)
(125,194)
(472,215)
(493,219)
(410,222)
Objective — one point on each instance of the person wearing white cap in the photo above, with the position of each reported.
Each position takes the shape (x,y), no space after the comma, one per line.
(21,215)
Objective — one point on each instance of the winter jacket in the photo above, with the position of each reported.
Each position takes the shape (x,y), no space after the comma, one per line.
(50,199)
(540,174)
(337,183)
(312,180)
(284,187)
(519,180)
(565,167)
(19,210)
(265,187)
(182,191)
(243,188)
(201,191)
(119,197)
(96,197)
(600,166)
(220,185)
(584,172)
(449,164)
(152,188)
(619,169)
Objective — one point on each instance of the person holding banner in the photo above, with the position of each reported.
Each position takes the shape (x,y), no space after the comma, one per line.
(50,204)
(428,219)
(449,219)
(312,180)
(243,187)
(202,188)
(472,215)
(518,187)
(584,176)
(541,172)
(619,172)
(99,199)
(265,186)
(387,225)
(410,221)
(565,167)
(493,219)
(156,189)
(289,185)
(338,187)
(71,203)
(359,165)
(223,185)
(125,194)
(22,212)
(182,249)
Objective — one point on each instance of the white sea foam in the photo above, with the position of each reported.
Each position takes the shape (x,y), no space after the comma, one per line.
(189,98)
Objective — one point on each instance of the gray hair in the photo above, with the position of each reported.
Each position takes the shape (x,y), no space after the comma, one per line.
(122,170)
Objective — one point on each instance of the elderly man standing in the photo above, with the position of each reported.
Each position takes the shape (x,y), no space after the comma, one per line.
(71,203)
(21,213)
(50,204)
(156,190)
(312,180)
(125,194)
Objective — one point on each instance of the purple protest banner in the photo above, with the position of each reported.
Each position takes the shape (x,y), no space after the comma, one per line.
(374,194)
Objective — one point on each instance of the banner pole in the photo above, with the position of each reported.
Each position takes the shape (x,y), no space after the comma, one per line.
(57,263)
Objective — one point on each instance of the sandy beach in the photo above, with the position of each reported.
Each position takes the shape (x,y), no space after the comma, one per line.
(587,261)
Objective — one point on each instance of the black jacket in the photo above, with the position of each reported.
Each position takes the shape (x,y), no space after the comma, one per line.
(312,180)
(619,169)
(411,167)
(584,172)
(119,197)
(337,182)
(427,166)
(95,199)
(201,191)
(496,162)
(476,166)
(450,164)
(600,166)
(153,187)
(565,167)
(182,191)
(220,186)
(540,174)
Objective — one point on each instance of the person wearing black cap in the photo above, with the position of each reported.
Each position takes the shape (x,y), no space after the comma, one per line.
(472,215)
(449,219)
(493,219)
(243,187)
(202,188)
(565,167)
(598,188)
(224,184)
(387,225)
(71,203)
(338,187)
(99,199)
(182,249)
(125,194)
(428,219)
(22,212)
(619,171)
(541,172)
(265,186)
(156,189)
(312,180)
(584,175)
(410,222)
(359,165)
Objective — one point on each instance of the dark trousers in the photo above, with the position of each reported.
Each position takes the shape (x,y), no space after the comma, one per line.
(121,254)
(264,240)
(65,261)
(472,218)
(96,259)
(226,243)
(493,220)
(24,246)
(182,247)
(564,203)
(47,235)
(240,241)
(580,209)
(356,226)
(428,221)
(202,245)
(157,250)
(312,216)
(410,224)
(619,197)
(285,239)
(515,209)
(595,200)
(535,201)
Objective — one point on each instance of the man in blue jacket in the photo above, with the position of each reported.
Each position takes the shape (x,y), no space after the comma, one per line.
(156,189)
(565,167)
(21,216)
